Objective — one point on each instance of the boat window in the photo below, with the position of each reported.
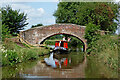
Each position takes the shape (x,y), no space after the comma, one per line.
(62,44)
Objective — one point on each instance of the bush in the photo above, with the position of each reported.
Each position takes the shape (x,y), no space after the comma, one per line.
(104,56)
(9,57)
(12,53)
(91,35)
(106,50)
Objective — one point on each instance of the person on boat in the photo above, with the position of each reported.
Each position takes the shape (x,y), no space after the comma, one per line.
(64,39)
(69,39)
(59,43)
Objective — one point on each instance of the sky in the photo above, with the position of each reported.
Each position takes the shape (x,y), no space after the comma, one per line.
(38,11)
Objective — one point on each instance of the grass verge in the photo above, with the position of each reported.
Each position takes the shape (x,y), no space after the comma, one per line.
(13,54)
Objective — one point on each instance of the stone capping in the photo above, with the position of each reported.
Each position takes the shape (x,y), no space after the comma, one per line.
(59,24)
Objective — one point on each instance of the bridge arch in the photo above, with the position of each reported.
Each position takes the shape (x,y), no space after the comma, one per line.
(82,40)
(38,34)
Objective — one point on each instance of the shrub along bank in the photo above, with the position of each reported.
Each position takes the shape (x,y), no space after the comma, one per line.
(12,53)
(104,57)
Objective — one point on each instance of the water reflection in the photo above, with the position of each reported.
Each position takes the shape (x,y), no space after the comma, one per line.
(52,62)
(64,60)
(60,66)
(55,62)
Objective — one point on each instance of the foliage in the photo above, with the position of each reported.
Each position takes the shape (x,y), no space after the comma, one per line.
(91,35)
(82,13)
(105,50)
(0,24)
(75,42)
(91,32)
(118,4)
(58,36)
(13,19)
(36,25)
(5,32)
(104,58)
(11,71)
(25,45)
(12,57)
(47,42)
(12,53)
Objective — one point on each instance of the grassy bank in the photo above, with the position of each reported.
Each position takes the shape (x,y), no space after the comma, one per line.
(104,57)
(12,53)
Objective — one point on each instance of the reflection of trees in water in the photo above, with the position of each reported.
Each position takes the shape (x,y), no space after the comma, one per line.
(76,58)
(13,71)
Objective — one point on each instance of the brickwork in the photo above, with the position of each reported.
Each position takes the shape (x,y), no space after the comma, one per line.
(38,34)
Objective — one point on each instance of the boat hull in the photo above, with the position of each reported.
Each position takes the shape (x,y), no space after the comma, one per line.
(60,50)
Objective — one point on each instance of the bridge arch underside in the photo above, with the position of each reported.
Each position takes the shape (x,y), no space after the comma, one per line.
(81,39)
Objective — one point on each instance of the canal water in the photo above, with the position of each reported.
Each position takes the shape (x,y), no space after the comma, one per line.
(71,65)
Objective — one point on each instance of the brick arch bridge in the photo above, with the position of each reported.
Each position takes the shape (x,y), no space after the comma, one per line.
(38,34)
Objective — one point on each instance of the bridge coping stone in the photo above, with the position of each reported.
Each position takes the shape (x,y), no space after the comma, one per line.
(54,25)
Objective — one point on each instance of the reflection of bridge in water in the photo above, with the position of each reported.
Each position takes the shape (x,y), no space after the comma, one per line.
(39,34)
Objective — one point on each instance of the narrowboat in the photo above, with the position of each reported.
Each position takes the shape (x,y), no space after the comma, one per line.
(61,46)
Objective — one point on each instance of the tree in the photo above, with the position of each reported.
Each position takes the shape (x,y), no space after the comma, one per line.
(5,32)
(13,19)
(91,33)
(36,25)
(82,13)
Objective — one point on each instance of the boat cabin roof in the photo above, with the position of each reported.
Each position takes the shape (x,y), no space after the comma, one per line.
(61,41)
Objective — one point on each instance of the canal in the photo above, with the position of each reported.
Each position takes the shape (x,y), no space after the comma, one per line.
(71,65)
